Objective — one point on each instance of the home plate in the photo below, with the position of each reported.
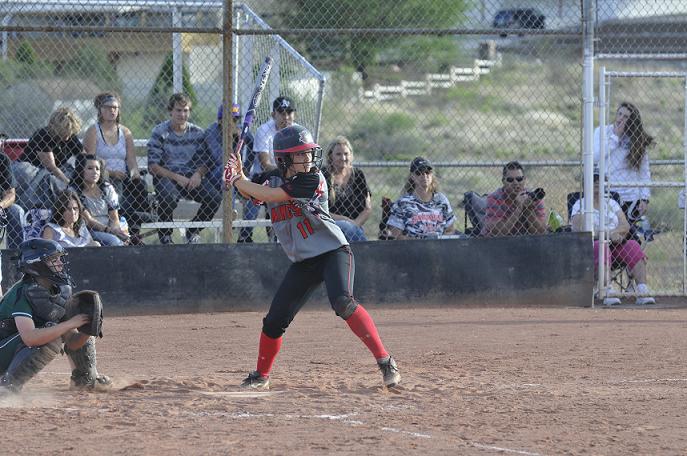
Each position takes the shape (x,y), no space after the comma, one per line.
(240,393)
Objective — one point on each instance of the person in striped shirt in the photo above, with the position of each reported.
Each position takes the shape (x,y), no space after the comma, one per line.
(513,210)
(179,167)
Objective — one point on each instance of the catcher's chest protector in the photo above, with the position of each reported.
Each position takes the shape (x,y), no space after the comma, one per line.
(47,307)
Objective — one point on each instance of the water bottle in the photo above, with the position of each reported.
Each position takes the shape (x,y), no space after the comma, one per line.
(123,224)
(645,228)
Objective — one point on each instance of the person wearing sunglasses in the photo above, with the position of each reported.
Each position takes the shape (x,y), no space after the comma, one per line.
(422,211)
(513,210)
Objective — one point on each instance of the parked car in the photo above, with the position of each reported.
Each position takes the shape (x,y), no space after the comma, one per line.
(524,18)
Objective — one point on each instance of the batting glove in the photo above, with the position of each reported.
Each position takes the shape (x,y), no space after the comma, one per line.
(232,171)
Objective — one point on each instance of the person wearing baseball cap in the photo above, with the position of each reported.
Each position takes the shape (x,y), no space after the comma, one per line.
(212,144)
(283,104)
(420,164)
(283,115)
(422,212)
(235,112)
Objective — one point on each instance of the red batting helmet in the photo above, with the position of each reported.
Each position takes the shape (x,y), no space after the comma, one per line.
(291,140)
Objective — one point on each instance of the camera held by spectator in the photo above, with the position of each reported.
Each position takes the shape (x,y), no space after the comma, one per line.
(537,194)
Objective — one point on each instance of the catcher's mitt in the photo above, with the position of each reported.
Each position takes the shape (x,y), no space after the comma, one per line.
(87,302)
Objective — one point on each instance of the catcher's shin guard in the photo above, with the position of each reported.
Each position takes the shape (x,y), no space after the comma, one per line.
(84,374)
(27,362)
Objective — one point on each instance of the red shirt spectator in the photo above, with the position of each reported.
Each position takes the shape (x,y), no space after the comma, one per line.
(512,210)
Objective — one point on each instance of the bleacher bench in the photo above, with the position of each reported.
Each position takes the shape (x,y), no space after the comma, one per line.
(14,149)
(215,225)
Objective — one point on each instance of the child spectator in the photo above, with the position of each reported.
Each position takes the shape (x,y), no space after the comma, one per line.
(66,225)
(100,202)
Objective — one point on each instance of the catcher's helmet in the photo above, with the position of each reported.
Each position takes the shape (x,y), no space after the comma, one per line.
(44,258)
(291,140)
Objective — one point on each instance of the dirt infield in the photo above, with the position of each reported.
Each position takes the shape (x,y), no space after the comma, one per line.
(475,381)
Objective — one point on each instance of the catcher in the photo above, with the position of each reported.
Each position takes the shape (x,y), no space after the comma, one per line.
(40,318)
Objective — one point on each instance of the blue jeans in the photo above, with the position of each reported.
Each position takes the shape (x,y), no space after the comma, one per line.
(15,230)
(105,238)
(250,212)
(353,232)
(169,193)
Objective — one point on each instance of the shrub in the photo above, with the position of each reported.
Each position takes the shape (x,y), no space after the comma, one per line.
(93,63)
(156,103)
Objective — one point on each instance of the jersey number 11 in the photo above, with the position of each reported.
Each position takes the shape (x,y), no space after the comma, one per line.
(305,228)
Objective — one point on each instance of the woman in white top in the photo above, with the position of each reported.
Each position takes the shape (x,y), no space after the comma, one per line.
(622,250)
(66,226)
(627,159)
(113,143)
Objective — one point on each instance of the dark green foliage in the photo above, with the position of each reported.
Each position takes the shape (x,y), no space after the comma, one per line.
(26,54)
(92,63)
(362,49)
(156,103)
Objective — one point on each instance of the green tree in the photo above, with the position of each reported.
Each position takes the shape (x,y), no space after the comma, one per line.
(25,65)
(363,49)
(93,63)
(26,53)
(156,103)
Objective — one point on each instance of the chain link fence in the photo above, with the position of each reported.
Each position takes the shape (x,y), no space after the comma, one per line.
(468,85)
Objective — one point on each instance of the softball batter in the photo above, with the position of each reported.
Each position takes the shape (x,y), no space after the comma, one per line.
(296,196)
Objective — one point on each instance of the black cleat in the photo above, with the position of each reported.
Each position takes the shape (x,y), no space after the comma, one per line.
(101,383)
(256,381)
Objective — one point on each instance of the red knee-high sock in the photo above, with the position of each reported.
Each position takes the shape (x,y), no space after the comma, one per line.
(267,353)
(362,325)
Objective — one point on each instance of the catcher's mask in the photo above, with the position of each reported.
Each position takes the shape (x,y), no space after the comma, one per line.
(45,258)
(291,140)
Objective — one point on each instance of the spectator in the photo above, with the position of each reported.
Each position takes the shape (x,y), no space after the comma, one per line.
(627,159)
(44,170)
(422,211)
(100,202)
(178,164)
(351,200)
(66,226)
(512,210)
(626,251)
(283,115)
(13,213)
(113,143)
(213,144)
